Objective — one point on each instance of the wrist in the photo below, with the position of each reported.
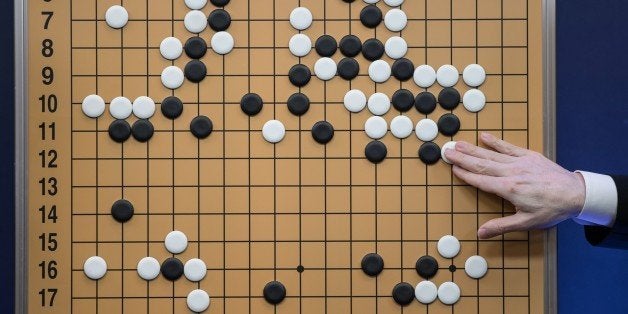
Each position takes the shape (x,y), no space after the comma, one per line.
(580,193)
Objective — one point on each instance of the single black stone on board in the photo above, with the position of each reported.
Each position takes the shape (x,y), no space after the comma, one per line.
(403,100)
(426,266)
(172,268)
(448,124)
(326,46)
(429,153)
(251,104)
(403,293)
(373,49)
(122,210)
(449,98)
(298,104)
(348,68)
(171,107)
(195,71)
(201,127)
(274,292)
(299,75)
(195,47)
(372,264)
(375,151)
(219,20)
(322,132)
(119,130)
(371,16)
(350,45)
(425,102)
(142,130)
(219,3)
(403,69)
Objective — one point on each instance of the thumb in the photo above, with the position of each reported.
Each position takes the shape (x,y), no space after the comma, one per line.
(500,226)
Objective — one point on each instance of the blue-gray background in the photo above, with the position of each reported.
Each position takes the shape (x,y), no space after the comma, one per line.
(592,135)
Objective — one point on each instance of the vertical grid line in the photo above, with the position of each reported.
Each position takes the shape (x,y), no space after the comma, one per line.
(501,21)
(97,154)
(122,158)
(427,230)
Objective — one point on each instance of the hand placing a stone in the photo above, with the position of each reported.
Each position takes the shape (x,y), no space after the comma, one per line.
(542,192)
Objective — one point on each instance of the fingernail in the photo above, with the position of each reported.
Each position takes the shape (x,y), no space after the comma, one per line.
(462,146)
(483,233)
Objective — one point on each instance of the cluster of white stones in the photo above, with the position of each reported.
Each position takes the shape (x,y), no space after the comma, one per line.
(142,107)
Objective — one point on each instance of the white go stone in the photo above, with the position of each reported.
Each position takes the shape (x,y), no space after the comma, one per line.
(426,292)
(301,18)
(195,21)
(474,75)
(393,3)
(172,77)
(474,100)
(355,100)
(448,293)
(148,268)
(395,20)
(447,75)
(371,1)
(273,131)
(116,16)
(300,45)
(375,127)
(396,47)
(195,270)
(120,108)
(378,104)
(426,130)
(198,300)
(95,267)
(448,246)
(424,76)
(379,71)
(446,146)
(143,107)
(476,266)
(325,68)
(195,4)
(93,106)
(222,43)
(401,126)
(171,48)
(176,242)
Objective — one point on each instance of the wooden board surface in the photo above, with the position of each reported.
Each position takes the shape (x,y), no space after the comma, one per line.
(254,211)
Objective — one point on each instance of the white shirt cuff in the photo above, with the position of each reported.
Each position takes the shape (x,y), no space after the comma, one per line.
(600,204)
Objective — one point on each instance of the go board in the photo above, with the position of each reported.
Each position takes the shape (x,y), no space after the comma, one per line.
(300,214)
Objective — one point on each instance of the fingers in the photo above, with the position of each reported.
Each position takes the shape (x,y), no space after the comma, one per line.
(500,226)
(475,164)
(483,153)
(502,146)
(485,183)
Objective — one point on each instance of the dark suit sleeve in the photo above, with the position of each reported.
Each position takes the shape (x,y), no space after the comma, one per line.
(617,236)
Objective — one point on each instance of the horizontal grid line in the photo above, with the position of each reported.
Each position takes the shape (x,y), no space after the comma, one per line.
(521,19)
(296,241)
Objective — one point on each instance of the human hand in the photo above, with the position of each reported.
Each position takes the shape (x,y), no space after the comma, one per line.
(542,192)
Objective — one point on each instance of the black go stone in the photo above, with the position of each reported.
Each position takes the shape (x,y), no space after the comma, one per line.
(350,45)
(219,20)
(298,104)
(326,46)
(426,266)
(122,210)
(119,131)
(195,47)
(429,153)
(251,104)
(172,268)
(142,130)
(403,293)
(371,16)
(449,98)
(322,132)
(372,264)
(448,124)
(403,69)
(373,49)
(274,292)
(201,127)
(403,100)
(375,151)
(195,71)
(299,75)
(425,102)
(348,68)
(219,3)
(172,107)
